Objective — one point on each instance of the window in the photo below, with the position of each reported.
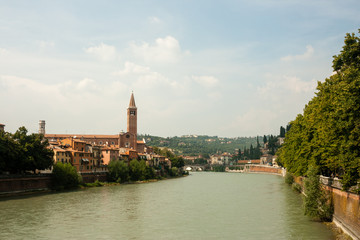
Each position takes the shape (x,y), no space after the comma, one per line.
(100,142)
(127,136)
(113,143)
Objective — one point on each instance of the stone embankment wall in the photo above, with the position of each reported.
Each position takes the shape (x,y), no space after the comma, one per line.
(92,177)
(18,184)
(10,185)
(263,169)
(346,207)
(346,211)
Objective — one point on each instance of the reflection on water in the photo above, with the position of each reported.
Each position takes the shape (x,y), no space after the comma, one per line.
(200,206)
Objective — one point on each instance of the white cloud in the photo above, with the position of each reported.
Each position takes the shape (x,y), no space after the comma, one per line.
(46,44)
(288,83)
(215,95)
(3,51)
(308,53)
(154,20)
(206,81)
(164,50)
(103,52)
(132,68)
(143,77)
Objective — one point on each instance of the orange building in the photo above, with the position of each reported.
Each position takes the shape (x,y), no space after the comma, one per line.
(109,154)
(81,159)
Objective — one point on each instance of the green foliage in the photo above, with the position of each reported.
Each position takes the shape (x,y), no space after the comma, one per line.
(250,153)
(282,131)
(118,171)
(176,161)
(200,161)
(350,55)
(137,170)
(327,134)
(317,202)
(296,187)
(97,183)
(21,152)
(219,168)
(200,145)
(65,176)
(174,172)
(289,178)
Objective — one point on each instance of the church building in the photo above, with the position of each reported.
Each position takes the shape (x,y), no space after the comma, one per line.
(127,140)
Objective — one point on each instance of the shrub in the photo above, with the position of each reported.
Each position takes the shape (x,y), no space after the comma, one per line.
(174,172)
(317,202)
(118,171)
(289,178)
(296,187)
(65,176)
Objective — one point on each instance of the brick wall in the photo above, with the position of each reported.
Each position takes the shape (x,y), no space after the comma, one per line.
(10,185)
(346,208)
(18,184)
(264,169)
(92,177)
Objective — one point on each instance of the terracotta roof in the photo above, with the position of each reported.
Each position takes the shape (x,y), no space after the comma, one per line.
(140,142)
(57,149)
(80,136)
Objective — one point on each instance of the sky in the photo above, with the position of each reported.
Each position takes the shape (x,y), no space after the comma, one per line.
(218,68)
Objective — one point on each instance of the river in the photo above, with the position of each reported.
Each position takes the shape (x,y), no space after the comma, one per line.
(201,206)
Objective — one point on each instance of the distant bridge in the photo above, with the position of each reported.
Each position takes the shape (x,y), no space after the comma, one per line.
(195,167)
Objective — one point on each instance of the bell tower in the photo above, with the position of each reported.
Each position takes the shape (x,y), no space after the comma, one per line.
(132,117)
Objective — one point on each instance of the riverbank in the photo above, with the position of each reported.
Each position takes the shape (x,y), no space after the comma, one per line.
(346,218)
(27,185)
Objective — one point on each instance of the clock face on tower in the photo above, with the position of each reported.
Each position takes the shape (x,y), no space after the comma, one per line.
(132,113)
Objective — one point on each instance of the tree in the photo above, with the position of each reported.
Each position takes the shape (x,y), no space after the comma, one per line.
(265,139)
(22,152)
(317,203)
(65,176)
(137,170)
(177,162)
(11,154)
(327,134)
(36,153)
(118,171)
(282,131)
(288,127)
(350,55)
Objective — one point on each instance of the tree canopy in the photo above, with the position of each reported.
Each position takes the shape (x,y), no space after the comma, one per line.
(327,134)
(20,152)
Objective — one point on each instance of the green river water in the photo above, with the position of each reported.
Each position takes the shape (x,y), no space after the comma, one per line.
(201,206)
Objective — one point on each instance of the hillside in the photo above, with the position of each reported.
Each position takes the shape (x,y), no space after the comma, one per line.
(192,145)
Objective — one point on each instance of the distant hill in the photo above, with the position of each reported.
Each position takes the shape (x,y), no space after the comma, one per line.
(192,145)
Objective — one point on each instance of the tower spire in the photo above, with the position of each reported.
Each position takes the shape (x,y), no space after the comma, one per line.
(132,117)
(132,101)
